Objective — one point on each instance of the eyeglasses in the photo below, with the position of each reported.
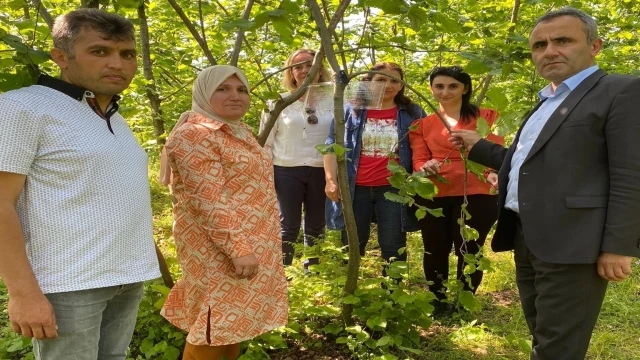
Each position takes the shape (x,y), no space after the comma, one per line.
(311,118)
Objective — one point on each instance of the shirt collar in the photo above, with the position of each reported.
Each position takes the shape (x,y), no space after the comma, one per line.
(568,85)
(70,89)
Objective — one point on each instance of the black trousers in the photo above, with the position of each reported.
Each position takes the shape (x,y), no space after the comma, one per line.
(440,233)
(299,186)
(561,303)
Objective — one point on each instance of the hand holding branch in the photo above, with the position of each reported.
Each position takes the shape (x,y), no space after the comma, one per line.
(464,138)
(431,167)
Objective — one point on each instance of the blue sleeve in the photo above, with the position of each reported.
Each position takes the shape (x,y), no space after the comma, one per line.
(331,138)
(420,111)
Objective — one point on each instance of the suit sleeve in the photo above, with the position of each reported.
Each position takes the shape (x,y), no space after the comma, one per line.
(195,153)
(622,132)
(488,154)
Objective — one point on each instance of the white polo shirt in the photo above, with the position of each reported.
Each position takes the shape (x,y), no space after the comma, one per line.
(85,208)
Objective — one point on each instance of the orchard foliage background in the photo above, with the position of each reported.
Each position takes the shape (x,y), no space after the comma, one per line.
(488,38)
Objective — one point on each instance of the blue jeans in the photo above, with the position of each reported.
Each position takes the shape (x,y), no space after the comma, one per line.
(297,186)
(368,200)
(94,324)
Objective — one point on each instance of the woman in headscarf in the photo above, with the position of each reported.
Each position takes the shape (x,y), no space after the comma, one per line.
(226,222)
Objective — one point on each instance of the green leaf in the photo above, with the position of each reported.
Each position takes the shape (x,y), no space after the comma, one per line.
(377,322)
(17,4)
(498,99)
(469,233)
(351,299)
(469,301)
(448,24)
(485,264)
(397,180)
(397,198)
(384,341)
(476,67)
(171,353)
(417,16)
(421,213)
(470,259)
(129,4)
(15,42)
(325,149)
(424,187)
(239,23)
(482,127)
(411,350)
(388,6)
(469,269)
(334,329)
(396,168)
(161,289)
(284,28)
(435,212)
(146,345)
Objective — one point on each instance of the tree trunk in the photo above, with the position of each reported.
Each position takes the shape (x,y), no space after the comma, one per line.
(150,88)
(43,12)
(487,82)
(158,125)
(90,4)
(240,36)
(325,32)
(193,31)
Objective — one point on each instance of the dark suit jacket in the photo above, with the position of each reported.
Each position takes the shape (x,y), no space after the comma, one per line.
(579,187)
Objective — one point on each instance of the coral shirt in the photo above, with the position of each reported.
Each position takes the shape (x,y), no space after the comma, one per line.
(379,138)
(430,141)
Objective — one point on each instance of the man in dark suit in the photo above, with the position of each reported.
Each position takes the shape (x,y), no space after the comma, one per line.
(569,186)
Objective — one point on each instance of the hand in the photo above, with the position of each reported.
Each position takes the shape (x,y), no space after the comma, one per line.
(246,266)
(614,267)
(492,179)
(33,316)
(432,166)
(333,191)
(464,138)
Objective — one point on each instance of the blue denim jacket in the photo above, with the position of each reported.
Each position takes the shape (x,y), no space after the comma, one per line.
(354,122)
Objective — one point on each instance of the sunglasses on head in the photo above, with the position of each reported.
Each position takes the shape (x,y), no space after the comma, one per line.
(311,116)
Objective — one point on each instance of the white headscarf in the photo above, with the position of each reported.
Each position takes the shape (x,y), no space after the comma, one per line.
(205,85)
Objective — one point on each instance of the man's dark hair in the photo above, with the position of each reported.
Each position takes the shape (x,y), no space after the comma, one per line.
(68,27)
(590,25)
(468,110)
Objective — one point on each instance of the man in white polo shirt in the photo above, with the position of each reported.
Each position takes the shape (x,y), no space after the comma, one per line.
(76,240)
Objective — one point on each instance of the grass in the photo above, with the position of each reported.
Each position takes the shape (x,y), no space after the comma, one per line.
(497,332)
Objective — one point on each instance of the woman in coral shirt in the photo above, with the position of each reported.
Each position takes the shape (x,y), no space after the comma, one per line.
(226,228)
(452,88)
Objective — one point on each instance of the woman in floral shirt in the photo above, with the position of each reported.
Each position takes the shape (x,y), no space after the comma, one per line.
(227,227)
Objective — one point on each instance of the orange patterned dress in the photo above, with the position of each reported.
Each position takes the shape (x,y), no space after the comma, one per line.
(225,208)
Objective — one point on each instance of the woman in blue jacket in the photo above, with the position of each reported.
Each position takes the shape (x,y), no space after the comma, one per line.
(372,135)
